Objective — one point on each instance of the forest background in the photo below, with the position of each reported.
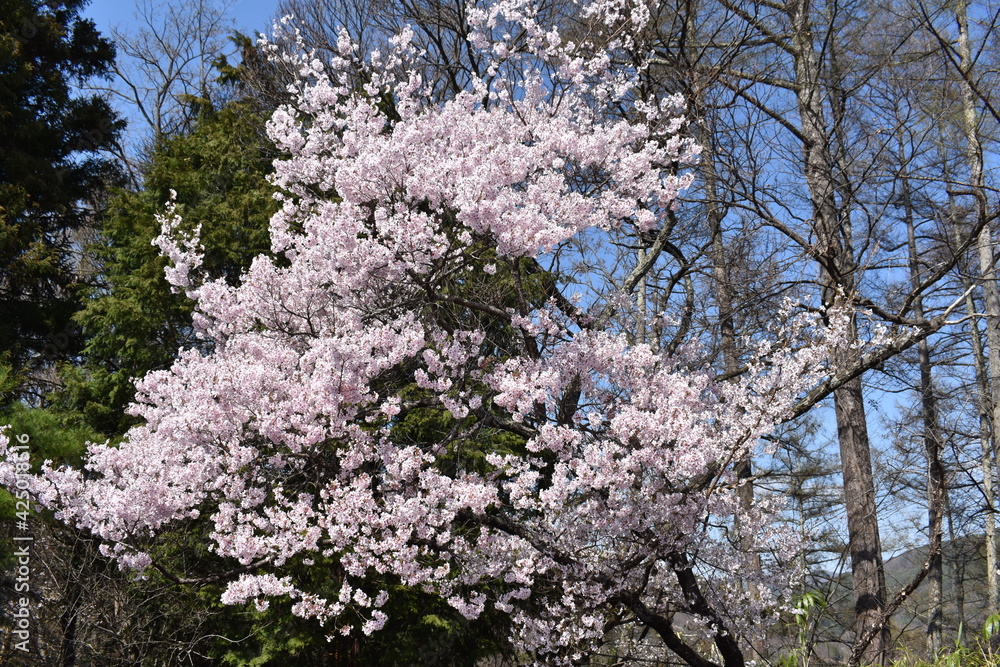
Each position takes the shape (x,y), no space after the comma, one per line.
(847,153)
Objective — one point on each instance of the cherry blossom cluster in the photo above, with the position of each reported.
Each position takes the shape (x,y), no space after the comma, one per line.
(606,478)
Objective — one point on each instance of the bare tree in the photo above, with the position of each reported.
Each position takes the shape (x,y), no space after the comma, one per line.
(805,81)
(164,70)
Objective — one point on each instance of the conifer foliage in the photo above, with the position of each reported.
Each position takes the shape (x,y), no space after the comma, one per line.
(49,169)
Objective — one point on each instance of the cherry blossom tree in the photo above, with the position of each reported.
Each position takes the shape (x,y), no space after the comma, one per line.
(578,481)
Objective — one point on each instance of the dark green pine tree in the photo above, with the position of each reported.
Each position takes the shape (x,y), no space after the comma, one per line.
(51,170)
(132,321)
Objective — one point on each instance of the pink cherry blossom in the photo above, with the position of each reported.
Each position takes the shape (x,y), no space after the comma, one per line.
(621,492)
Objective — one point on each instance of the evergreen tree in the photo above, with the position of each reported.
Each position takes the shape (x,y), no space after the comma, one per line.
(50,168)
(132,322)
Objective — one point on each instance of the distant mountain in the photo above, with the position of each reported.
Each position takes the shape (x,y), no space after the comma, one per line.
(963,594)
(963,585)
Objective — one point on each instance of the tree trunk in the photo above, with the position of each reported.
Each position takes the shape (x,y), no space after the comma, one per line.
(862,522)
(931,436)
(991,295)
(724,303)
(959,559)
(837,270)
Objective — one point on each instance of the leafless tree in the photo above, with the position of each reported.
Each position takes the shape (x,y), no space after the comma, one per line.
(164,69)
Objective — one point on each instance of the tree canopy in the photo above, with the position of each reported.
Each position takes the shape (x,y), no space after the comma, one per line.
(576,474)
(501,331)
(50,169)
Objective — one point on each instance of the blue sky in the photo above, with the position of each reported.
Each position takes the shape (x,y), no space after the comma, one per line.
(250,15)
(247,16)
